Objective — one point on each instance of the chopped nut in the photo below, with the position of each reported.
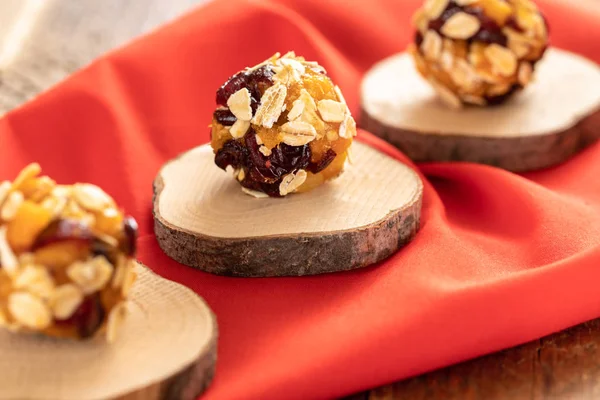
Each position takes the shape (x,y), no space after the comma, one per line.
(35,279)
(11,206)
(239,105)
(332,111)
(4,189)
(295,65)
(8,260)
(461,26)
(288,69)
(91,275)
(539,27)
(129,279)
(525,73)
(435,8)
(464,75)
(43,186)
(349,155)
(259,141)
(270,107)
(65,300)
(291,182)
(298,133)
(432,45)
(29,310)
(120,272)
(91,197)
(446,95)
(296,111)
(265,151)
(498,90)
(239,129)
(55,205)
(503,60)
(339,94)
(241,175)
(115,320)
(447,60)
(62,191)
(254,193)
(348,127)
(30,171)
(420,21)
(471,99)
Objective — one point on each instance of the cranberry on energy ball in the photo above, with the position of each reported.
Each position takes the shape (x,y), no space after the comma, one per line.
(281,127)
(257,81)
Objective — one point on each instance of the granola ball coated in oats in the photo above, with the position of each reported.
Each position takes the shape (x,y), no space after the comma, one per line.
(281,127)
(66,257)
(478,52)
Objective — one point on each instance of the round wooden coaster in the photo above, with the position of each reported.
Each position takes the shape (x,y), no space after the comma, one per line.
(204,220)
(552,119)
(166,349)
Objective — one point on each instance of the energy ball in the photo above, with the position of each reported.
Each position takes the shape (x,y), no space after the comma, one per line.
(66,257)
(478,52)
(281,127)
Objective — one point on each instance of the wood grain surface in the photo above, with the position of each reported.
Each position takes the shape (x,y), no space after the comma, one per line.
(203,219)
(68,34)
(166,348)
(401,107)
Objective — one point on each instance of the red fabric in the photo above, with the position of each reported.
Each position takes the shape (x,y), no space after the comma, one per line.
(501,258)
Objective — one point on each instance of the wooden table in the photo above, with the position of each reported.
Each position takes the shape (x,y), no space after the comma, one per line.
(57,37)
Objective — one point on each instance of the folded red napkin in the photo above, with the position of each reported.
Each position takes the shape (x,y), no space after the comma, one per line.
(501,258)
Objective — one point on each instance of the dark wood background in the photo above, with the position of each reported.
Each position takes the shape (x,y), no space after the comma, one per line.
(58,37)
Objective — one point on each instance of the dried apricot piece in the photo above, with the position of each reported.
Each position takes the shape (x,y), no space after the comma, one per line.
(30,220)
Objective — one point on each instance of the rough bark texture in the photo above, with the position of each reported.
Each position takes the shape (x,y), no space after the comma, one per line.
(521,154)
(288,255)
(187,384)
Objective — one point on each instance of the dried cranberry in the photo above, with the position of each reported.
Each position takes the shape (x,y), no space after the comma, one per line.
(452,9)
(63,229)
(327,158)
(232,153)
(256,81)
(253,181)
(254,105)
(87,318)
(290,158)
(100,248)
(283,159)
(514,24)
(490,31)
(259,81)
(130,233)
(224,116)
(418,38)
(233,84)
